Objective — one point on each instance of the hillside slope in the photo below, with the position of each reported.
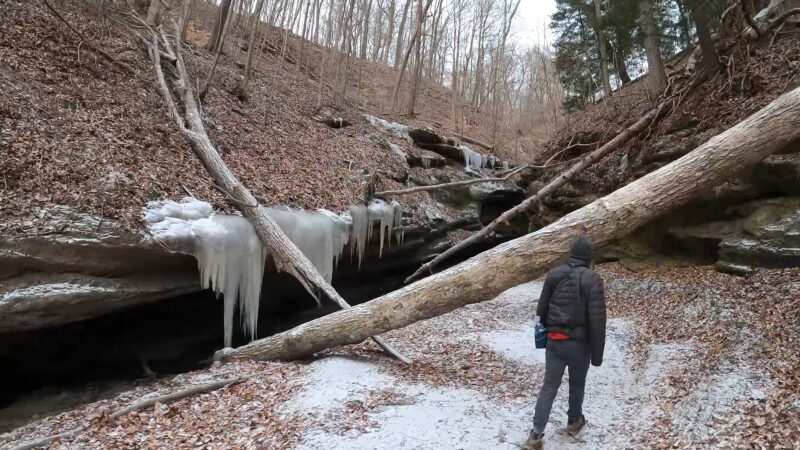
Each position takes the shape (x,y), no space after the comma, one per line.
(80,131)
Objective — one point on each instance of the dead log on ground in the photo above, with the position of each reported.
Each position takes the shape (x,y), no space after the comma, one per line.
(486,275)
(286,255)
(551,187)
(167,398)
(454,184)
(474,141)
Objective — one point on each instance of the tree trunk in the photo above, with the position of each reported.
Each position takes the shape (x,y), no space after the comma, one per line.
(551,187)
(153,11)
(185,14)
(486,275)
(286,255)
(219,26)
(710,59)
(622,69)
(241,91)
(601,42)
(398,51)
(655,64)
(414,38)
(686,35)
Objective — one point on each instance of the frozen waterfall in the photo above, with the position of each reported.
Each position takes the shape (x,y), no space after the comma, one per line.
(230,256)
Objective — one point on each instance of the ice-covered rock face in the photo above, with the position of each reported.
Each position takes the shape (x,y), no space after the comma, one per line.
(231,257)
(472,159)
(393,128)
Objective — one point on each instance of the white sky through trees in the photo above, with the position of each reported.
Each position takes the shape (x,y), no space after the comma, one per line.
(531,25)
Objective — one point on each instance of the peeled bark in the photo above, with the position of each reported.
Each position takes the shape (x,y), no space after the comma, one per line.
(486,275)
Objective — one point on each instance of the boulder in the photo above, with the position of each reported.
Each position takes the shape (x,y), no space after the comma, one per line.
(423,136)
(769,238)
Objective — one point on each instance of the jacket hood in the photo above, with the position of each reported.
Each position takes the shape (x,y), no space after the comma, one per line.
(581,250)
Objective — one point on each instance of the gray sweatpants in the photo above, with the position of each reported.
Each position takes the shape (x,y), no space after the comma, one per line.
(559,355)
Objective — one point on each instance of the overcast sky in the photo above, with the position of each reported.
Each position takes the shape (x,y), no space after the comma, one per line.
(531,25)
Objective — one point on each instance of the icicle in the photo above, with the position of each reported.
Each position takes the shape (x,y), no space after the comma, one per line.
(340,234)
(426,162)
(382,213)
(398,222)
(360,230)
(472,159)
(505,165)
(230,256)
(230,259)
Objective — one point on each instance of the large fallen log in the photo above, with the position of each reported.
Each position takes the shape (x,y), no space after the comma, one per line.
(486,275)
(286,255)
(551,187)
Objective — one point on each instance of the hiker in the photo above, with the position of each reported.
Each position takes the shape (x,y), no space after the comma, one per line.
(572,308)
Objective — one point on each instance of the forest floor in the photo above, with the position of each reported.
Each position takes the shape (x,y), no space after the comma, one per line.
(80,131)
(694,359)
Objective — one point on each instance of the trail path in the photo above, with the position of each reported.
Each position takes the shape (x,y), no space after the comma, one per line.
(423,415)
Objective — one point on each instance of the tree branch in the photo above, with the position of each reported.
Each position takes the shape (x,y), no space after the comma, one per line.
(551,187)
(166,398)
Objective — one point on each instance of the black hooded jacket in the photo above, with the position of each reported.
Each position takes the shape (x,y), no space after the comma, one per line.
(573,303)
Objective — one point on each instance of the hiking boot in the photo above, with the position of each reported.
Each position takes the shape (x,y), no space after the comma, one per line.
(534,442)
(575,427)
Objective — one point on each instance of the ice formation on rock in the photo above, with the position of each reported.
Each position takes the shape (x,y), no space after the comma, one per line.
(397,150)
(472,159)
(426,162)
(399,232)
(319,235)
(505,165)
(393,128)
(386,215)
(230,256)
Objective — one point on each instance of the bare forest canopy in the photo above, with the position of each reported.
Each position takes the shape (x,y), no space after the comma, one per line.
(463,45)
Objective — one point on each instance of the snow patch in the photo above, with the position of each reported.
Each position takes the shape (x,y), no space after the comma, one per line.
(42,291)
(393,128)
(436,417)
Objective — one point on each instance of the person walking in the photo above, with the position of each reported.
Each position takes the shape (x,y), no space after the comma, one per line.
(572,308)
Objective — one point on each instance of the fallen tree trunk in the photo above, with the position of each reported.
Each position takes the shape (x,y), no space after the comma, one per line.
(451,185)
(486,275)
(473,141)
(286,255)
(551,187)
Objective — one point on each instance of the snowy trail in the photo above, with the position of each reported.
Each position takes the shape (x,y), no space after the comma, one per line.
(618,399)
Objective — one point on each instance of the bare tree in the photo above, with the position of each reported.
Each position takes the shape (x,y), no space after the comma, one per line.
(657,75)
(215,43)
(242,88)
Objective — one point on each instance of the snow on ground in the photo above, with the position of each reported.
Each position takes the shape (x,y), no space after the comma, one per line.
(686,366)
(435,417)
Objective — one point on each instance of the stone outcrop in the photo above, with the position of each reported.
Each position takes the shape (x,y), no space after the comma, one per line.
(84,266)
